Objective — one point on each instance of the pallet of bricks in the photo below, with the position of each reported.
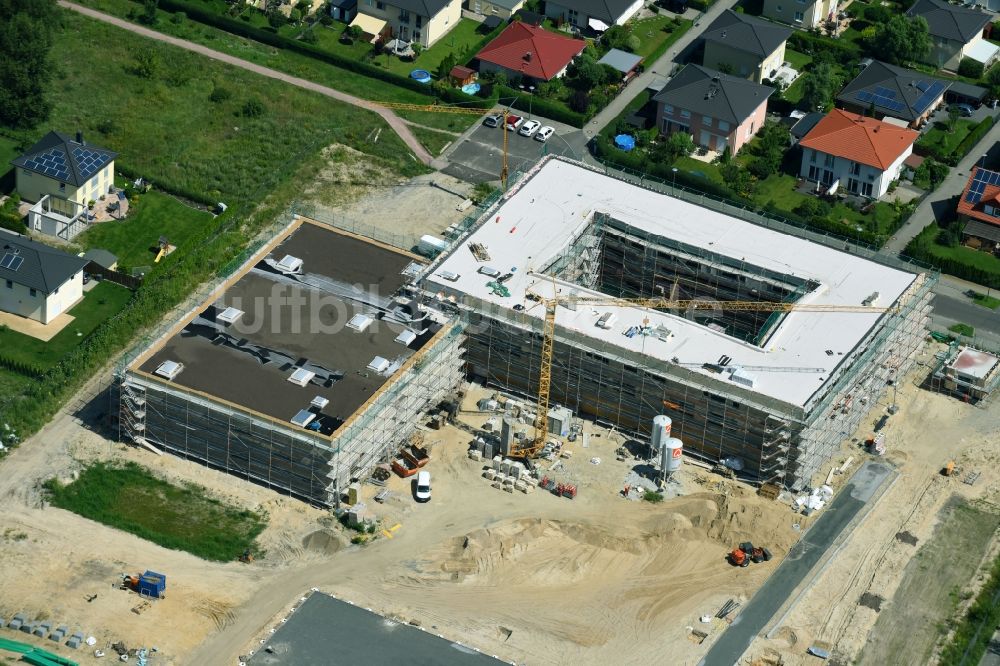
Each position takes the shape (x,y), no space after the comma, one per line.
(508,475)
(558,489)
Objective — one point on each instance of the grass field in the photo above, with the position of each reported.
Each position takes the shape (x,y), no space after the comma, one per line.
(798,61)
(962,329)
(104,300)
(944,142)
(129,498)
(166,127)
(433,141)
(653,39)
(908,628)
(134,240)
(291,63)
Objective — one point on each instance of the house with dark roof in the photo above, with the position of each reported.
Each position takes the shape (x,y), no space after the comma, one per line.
(598,15)
(849,152)
(885,90)
(502,9)
(36,281)
(524,51)
(800,13)
(719,111)
(979,208)
(956,33)
(60,175)
(744,46)
(421,21)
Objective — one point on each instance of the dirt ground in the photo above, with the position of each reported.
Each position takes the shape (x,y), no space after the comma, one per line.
(531,578)
(929,430)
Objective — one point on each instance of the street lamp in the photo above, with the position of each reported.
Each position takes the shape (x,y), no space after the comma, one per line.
(674,184)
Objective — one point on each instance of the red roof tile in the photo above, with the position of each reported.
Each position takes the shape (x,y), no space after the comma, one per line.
(860,139)
(991,196)
(532,51)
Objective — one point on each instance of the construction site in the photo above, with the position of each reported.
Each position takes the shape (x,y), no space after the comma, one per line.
(572,343)
(765,350)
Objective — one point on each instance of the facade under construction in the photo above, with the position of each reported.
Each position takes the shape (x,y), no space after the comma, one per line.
(772,393)
(301,372)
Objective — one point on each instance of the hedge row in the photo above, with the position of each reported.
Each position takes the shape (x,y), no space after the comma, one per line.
(21,368)
(200,14)
(544,107)
(922,249)
(846,53)
(974,137)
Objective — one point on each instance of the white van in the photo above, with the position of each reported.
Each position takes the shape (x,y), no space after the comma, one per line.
(423,493)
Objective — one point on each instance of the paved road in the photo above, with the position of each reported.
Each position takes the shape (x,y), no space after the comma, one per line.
(394,121)
(939,205)
(952,306)
(661,67)
(865,484)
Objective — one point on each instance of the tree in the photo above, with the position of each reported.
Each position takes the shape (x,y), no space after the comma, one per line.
(585,74)
(970,68)
(737,178)
(819,86)
(253,108)
(769,149)
(901,39)
(445,67)
(680,144)
(615,37)
(27,29)
(953,114)
(579,101)
(276,19)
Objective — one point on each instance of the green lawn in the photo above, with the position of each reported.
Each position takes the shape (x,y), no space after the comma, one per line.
(104,300)
(185,518)
(943,142)
(962,329)
(966,255)
(985,300)
(134,240)
(798,61)
(433,141)
(298,65)
(655,35)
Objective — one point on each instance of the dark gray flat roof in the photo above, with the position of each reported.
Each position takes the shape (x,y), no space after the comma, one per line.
(327,631)
(298,321)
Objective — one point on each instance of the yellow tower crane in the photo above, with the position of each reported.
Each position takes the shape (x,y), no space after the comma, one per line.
(533,447)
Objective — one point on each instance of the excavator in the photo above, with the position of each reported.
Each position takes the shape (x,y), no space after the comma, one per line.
(746,553)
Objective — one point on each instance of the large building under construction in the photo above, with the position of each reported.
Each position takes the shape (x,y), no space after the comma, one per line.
(316,359)
(301,372)
(774,393)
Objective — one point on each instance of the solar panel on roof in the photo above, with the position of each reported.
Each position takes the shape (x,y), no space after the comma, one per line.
(931,93)
(865,96)
(11,262)
(882,91)
(982,179)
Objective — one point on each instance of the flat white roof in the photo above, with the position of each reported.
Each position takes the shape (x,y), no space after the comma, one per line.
(974,363)
(544,213)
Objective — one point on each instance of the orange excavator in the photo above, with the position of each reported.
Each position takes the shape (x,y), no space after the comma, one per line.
(747,553)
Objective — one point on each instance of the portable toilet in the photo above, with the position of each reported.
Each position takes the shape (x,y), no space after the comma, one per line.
(153,585)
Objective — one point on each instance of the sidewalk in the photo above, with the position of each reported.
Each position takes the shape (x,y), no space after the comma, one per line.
(662,67)
(939,198)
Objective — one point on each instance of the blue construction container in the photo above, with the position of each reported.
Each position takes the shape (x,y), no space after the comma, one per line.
(153,584)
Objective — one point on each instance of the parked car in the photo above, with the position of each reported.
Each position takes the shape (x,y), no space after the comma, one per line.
(544,133)
(962,109)
(423,492)
(529,127)
(493,121)
(514,123)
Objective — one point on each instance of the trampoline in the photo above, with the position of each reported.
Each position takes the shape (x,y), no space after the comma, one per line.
(421,75)
(625,142)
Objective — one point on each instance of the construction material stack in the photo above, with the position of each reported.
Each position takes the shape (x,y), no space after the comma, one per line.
(747,553)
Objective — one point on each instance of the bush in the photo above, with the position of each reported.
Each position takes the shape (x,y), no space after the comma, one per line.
(877,14)
(970,68)
(220,94)
(969,142)
(253,108)
(655,498)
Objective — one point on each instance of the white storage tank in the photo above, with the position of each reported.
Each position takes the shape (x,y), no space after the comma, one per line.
(670,455)
(661,432)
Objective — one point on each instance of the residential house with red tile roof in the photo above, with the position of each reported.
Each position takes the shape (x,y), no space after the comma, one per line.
(849,152)
(525,51)
(979,207)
